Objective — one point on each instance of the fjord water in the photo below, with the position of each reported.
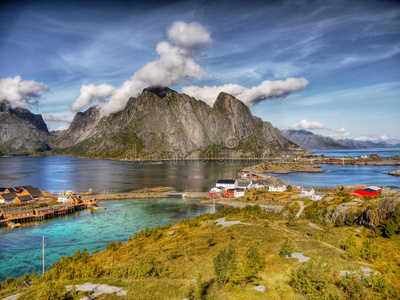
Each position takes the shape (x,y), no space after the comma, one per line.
(58,173)
(21,251)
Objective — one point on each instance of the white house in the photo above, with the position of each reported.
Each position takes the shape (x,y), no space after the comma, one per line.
(238,193)
(307,192)
(317,196)
(244,183)
(227,183)
(277,188)
(256,186)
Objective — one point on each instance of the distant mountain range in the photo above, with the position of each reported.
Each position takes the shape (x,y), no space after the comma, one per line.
(159,123)
(310,141)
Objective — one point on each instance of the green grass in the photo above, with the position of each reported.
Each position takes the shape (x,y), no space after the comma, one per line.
(183,251)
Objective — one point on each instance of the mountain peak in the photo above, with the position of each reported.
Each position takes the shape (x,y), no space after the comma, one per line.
(160,91)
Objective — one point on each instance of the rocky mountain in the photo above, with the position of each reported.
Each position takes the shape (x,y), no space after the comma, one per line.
(21,131)
(310,141)
(161,123)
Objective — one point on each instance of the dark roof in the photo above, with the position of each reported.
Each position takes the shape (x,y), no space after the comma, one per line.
(18,211)
(24,198)
(228,181)
(369,190)
(2,190)
(8,196)
(58,206)
(17,188)
(42,208)
(27,186)
(34,192)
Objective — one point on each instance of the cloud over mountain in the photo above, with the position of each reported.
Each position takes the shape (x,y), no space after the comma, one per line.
(21,93)
(266,90)
(306,125)
(176,63)
(58,119)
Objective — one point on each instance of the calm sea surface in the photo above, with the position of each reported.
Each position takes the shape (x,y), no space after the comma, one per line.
(20,248)
(58,173)
(359,152)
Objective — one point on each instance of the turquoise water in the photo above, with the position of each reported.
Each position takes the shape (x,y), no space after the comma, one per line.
(88,229)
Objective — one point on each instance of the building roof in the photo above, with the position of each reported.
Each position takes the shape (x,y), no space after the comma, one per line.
(8,196)
(2,189)
(24,198)
(34,192)
(42,208)
(18,211)
(226,181)
(278,185)
(17,188)
(307,189)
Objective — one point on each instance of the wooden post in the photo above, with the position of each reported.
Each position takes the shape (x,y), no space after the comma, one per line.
(43,255)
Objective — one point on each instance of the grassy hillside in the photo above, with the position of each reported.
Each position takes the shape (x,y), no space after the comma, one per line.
(177,261)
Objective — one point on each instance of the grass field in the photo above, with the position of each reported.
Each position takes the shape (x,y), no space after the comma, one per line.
(177,261)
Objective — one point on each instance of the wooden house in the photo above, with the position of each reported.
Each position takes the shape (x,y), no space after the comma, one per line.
(7,197)
(22,199)
(4,191)
(227,183)
(35,193)
(40,211)
(17,213)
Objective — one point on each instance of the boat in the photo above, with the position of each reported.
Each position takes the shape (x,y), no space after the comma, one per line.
(13,225)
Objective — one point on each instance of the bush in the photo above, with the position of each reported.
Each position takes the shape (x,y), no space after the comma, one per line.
(149,267)
(52,291)
(316,282)
(286,248)
(387,228)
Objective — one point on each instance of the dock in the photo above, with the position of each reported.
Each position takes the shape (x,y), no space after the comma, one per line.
(35,214)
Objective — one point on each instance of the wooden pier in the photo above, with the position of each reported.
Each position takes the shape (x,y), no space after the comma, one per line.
(23,218)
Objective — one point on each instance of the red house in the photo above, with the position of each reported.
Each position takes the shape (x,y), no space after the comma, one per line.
(369,191)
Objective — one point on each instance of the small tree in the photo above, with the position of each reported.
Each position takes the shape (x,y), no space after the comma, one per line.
(225,265)
(289,188)
(286,248)
(253,263)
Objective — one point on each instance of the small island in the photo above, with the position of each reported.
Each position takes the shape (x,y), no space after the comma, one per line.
(285,167)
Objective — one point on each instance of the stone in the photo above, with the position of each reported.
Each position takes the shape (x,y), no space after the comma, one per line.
(259,288)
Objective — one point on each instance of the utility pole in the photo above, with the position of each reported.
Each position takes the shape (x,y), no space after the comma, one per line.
(43,255)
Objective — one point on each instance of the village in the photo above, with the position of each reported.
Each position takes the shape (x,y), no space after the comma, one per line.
(257,187)
(20,205)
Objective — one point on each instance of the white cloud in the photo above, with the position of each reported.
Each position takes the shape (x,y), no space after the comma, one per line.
(62,128)
(384,137)
(176,63)
(306,125)
(267,89)
(62,119)
(90,93)
(365,138)
(341,130)
(340,133)
(189,36)
(20,92)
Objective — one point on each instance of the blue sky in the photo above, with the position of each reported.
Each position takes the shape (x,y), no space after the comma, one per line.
(346,52)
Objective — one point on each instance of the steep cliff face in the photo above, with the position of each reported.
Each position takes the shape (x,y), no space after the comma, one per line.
(21,130)
(163,123)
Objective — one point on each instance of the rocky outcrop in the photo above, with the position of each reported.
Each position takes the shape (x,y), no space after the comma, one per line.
(21,130)
(395,173)
(161,123)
